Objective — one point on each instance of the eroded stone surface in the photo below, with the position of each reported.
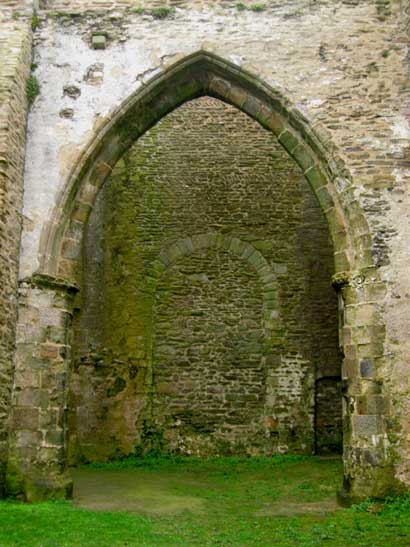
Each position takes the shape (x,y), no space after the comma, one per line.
(242,321)
(350,119)
(15,52)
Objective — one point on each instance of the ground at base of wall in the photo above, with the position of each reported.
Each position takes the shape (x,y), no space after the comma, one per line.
(253,502)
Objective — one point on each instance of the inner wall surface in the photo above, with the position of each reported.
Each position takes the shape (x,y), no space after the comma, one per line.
(209,362)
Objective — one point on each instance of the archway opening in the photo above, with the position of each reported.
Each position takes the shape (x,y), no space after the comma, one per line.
(206,322)
(356,279)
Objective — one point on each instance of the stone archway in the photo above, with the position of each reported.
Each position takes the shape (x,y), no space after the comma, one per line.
(37,460)
(205,74)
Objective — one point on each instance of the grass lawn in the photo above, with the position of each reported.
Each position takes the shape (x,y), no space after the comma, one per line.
(226,502)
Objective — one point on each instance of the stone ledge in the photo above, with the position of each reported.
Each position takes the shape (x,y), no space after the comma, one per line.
(46,281)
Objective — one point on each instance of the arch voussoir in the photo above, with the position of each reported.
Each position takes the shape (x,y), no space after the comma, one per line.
(199,74)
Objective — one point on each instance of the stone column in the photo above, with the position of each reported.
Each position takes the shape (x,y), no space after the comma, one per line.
(367,436)
(37,441)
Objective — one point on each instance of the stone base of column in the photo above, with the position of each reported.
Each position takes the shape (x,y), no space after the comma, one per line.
(38,487)
(370,483)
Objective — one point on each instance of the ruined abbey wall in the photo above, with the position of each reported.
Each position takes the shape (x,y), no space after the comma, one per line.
(15,52)
(215,383)
(335,75)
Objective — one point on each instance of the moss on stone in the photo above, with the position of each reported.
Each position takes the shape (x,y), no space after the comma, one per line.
(162,12)
(258,7)
(187,296)
(32,90)
(35,21)
(119,385)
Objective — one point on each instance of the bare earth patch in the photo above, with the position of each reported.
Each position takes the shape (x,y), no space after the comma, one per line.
(130,491)
(296,509)
(162,494)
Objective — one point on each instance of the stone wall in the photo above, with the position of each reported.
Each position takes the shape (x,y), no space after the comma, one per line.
(37,437)
(330,78)
(15,55)
(215,382)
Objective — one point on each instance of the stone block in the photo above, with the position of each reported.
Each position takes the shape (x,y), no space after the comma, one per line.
(186,246)
(341,261)
(366,368)
(367,425)
(220,87)
(81,211)
(54,438)
(276,124)
(48,419)
(303,157)
(280,269)
(26,439)
(99,41)
(324,198)
(288,140)
(49,351)
(378,404)
(237,96)
(27,378)
(52,456)
(71,249)
(252,106)
(372,386)
(56,335)
(174,252)
(375,292)
(26,418)
(361,405)
(316,177)
(365,314)
(68,269)
(27,397)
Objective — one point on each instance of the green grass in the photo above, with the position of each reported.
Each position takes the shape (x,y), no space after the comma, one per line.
(228,463)
(35,21)
(258,7)
(240,6)
(254,502)
(162,13)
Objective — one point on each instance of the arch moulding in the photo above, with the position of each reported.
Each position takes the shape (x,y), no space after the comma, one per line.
(197,75)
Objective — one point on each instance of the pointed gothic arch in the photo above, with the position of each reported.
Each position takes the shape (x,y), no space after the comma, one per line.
(368,469)
(197,75)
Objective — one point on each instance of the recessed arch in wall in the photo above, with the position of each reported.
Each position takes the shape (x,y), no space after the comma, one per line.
(309,145)
(206,74)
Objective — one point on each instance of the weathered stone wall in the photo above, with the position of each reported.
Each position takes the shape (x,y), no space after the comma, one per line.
(349,120)
(218,383)
(37,437)
(370,61)
(15,55)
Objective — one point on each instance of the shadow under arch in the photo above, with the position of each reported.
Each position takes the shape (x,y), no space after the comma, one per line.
(200,74)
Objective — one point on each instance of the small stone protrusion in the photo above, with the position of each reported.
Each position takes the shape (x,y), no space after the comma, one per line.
(71,91)
(66,113)
(366,368)
(94,74)
(99,41)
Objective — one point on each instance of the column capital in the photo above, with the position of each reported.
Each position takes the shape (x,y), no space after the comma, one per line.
(46,281)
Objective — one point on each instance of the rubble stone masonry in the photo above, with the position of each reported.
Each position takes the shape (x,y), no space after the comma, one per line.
(15,55)
(216,381)
(328,78)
